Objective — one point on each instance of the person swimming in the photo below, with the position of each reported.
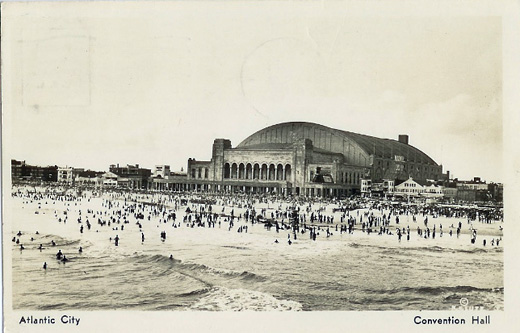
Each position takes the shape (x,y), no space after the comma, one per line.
(53,243)
(59,255)
(80,249)
(64,259)
(171,256)
(45,265)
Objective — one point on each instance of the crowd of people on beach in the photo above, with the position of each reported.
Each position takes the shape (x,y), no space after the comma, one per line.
(121,210)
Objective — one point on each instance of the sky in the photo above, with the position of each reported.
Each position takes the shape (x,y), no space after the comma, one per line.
(89,85)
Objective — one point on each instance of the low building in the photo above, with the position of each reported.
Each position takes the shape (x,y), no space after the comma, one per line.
(450,192)
(162,171)
(87,178)
(473,190)
(366,187)
(377,188)
(408,188)
(16,169)
(23,171)
(68,175)
(131,176)
(174,181)
(107,179)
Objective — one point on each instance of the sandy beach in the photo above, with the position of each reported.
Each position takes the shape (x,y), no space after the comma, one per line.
(235,255)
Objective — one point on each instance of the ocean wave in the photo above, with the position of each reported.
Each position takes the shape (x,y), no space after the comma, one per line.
(196,292)
(452,250)
(236,247)
(47,239)
(435,290)
(435,248)
(191,268)
(224,299)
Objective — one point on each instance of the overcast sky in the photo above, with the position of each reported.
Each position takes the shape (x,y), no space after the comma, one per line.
(95,84)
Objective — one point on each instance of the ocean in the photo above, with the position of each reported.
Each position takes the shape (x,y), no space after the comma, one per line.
(220,269)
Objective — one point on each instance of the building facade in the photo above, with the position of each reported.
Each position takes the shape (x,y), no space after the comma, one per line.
(131,176)
(308,159)
(68,175)
(23,171)
(424,189)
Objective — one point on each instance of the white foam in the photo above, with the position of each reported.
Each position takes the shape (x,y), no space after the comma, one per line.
(224,299)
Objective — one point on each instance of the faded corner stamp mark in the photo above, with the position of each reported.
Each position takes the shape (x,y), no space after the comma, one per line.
(56,70)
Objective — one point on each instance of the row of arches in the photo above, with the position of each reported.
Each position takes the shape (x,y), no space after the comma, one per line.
(257,171)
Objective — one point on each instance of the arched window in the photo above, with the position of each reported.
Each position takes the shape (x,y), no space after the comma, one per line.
(234,170)
(264,172)
(271,172)
(279,172)
(241,171)
(288,172)
(249,171)
(256,171)
(227,171)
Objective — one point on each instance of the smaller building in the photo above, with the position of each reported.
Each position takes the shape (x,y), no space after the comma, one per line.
(174,181)
(162,171)
(428,189)
(68,175)
(50,173)
(107,179)
(473,190)
(366,187)
(16,169)
(131,176)
(87,178)
(377,188)
(23,171)
(408,188)
(497,191)
(450,192)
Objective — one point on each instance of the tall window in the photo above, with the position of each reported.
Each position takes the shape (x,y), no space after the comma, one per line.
(227,170)
(287,172)
(234,170)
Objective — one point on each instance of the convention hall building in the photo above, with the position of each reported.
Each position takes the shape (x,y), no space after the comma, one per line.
(302,158)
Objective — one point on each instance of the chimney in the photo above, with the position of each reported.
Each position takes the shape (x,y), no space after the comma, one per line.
(403,138)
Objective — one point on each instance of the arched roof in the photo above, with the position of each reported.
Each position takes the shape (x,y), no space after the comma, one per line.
(355,147)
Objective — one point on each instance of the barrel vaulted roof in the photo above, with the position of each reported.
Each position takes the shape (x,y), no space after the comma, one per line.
(354,146)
